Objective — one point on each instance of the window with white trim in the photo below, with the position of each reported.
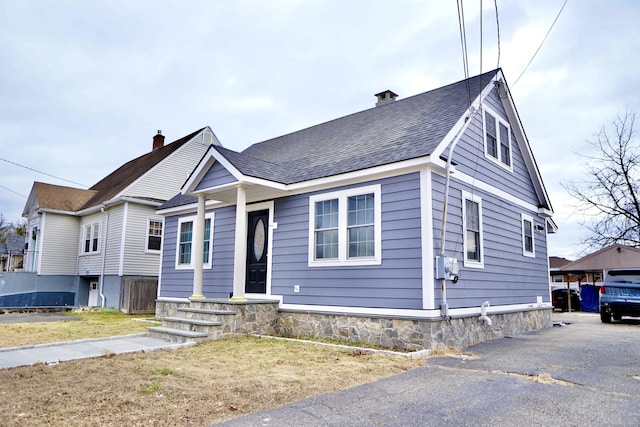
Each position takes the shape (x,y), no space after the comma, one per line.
(91,238)
(528,241)
(344,227)
(154,235)
(472,225)
(184,249)
(497,139)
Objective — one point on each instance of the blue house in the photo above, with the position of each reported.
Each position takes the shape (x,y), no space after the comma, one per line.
(339,227)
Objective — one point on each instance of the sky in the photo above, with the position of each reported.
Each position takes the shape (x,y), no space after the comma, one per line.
(84,86)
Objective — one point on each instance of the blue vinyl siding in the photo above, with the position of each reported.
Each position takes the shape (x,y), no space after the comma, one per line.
(217,281)
(470,159)
(508,277)
(215,176)
(396,283)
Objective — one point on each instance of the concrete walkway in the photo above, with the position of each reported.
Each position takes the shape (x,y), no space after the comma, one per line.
(52,353)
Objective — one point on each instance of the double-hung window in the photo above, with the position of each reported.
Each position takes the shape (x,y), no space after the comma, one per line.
(154,235)
(91,238)
(185,242)
(344,227)
(472,225)
(528,244)
(497,139)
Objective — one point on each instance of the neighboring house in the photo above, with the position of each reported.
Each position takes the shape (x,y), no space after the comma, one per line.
(592,268)
(341,222)
(12,253)
(101,245)
(556,277)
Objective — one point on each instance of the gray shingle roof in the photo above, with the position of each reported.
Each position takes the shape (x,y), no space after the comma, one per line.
(400,130)
(395,131)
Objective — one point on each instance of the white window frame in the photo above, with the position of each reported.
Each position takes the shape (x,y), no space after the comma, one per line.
(499,121)
(94,228)
(472,263)
(147,235)
(343,258)
(526,253)
(192,218)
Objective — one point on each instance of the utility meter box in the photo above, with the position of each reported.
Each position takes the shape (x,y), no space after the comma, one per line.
(447,268)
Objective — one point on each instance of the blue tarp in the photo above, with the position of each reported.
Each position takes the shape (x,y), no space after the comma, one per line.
(590,299)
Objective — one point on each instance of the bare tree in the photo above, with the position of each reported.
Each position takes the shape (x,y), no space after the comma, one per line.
(611,194)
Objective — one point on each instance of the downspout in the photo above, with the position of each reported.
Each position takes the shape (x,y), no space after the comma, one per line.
(104,256)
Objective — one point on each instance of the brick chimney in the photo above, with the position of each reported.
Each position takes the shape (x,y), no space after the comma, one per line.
(385,97)
(158,140)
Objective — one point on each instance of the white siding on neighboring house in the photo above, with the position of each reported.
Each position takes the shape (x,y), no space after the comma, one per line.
(58,244)
(114,221)
(137,260)
(165,179)
(90,264)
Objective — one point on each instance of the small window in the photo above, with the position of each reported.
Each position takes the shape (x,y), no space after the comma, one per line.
(184,255)
(497,139)
(472,224)
(345,227)
(528,245)
(154,235)
(91,238)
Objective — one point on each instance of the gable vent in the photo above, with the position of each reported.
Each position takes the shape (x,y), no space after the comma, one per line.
(386,97)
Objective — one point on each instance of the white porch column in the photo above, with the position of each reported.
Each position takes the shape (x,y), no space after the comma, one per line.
(198,249)
(240,254)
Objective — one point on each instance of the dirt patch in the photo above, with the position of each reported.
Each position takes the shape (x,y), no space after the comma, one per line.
(200,385)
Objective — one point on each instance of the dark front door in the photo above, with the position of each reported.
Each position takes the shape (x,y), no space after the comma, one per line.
(257,236)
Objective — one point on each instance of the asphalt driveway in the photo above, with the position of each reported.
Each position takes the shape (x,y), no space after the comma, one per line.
(583,374)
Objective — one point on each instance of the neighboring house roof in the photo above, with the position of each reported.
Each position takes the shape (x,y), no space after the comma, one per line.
(118,180)
(396,131)
(15,244)
(60,198)
(614,256)
(69,199)
(557,262)
(3,249)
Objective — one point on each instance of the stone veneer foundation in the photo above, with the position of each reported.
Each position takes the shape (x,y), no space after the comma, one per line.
(401,333)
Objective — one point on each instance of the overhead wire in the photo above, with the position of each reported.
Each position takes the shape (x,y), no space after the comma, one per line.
(495,3)
(14,192)
(41,172)
(541,43)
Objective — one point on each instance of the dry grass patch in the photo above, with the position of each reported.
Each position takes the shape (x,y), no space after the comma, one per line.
(93,324)
(207,383)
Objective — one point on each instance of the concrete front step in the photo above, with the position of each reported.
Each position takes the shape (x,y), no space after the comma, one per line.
(193,325)
(176,335)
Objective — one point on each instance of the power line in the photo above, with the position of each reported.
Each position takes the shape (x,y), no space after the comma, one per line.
(541,43)
(495,3)
(14,192)
(43,173)
(463,42)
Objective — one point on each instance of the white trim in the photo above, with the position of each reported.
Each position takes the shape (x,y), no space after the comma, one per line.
(477,199)
(499,120)
(40,242)
(146,242)
(488,188)
(192,218)
(420,314)
(271,226)
(342,196)
(426,239)
(523,218)
(83,237)
(174,299)
(123,237)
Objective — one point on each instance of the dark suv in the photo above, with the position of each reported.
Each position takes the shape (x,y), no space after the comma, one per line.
(620,295)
